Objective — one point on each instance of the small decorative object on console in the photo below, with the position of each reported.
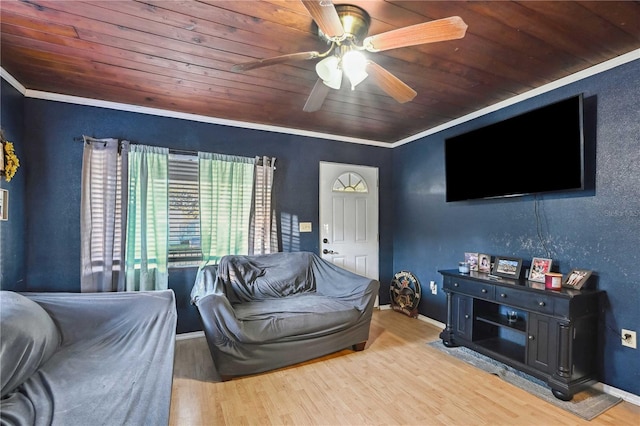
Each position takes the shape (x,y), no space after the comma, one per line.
(463,267)
(484,263)
(553,281)
(539,267)
(577,278)
(472,260)
(508,267)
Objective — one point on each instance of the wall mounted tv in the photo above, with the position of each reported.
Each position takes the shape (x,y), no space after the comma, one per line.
(539,151)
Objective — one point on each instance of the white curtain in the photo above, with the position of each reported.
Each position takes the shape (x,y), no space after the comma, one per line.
(104,168)
(263,232)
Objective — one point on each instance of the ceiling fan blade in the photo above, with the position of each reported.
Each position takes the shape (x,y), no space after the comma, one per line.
(390,84)
(317,96)
(325,15)
(428,32)
(292,57)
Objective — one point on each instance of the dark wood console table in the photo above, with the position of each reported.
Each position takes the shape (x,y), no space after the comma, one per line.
(554,337)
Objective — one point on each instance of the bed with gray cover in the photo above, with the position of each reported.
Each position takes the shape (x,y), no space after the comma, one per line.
(264,312)
(86,358)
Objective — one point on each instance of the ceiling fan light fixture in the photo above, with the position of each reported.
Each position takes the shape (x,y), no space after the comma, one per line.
(354,64)
(329,71)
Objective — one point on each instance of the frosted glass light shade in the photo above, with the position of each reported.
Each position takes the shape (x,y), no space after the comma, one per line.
(354,64)
(329,71)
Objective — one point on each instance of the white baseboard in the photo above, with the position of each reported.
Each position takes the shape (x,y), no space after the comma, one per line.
(626,396)
(420,317)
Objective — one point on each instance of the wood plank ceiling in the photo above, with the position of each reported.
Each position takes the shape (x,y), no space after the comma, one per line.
(177,56)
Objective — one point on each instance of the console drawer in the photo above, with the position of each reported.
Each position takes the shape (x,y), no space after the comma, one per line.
(471,288)
(531,301)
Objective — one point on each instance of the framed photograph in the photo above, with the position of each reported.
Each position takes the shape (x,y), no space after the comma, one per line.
(4,204)
(508,267)
(472,260)
(484,263)
(576,279)
(539,267)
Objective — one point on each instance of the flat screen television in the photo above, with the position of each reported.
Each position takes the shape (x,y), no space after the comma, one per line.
(539,151)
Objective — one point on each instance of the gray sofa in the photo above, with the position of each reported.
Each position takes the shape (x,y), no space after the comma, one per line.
(265,312)
(86,359)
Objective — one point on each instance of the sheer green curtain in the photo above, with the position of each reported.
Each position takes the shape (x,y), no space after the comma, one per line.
(226,191)
(148,219)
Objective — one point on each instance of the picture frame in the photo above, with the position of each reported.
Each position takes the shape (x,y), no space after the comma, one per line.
(472,260)
(508,267)
(484,263)
(4,204)
(539,267)
(576,279)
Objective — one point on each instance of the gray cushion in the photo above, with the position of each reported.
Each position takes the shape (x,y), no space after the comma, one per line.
(295,317)
(28,339)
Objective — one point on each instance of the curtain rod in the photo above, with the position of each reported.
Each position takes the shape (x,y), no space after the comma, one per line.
(182,151)
(171,150)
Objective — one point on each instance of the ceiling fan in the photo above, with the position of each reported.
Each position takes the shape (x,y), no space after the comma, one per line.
(345,27)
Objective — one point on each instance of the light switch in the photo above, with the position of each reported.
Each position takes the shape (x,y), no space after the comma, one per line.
(304,226)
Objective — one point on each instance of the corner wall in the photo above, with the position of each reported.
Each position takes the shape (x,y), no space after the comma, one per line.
(597,230)
(12,231)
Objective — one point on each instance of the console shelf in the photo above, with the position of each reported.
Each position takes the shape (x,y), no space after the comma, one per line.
(503,347)
(519,326)
(554,337)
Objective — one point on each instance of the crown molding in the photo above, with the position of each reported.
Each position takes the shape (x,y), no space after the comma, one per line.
(596,69)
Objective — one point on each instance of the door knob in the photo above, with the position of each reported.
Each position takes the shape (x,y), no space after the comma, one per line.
(324,240)
(325,251)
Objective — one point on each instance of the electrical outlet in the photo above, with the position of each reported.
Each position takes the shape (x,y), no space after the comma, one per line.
(629,338)
(433,287)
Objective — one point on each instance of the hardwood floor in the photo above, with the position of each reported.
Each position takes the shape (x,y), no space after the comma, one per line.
(397,379)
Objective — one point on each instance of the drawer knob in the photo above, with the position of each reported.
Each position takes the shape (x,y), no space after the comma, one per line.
(503,295)
(484,290)
(541,303)
(531,337)
(455,284)
(466,316)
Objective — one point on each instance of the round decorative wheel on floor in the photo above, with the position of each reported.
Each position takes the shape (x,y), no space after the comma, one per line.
(405,293)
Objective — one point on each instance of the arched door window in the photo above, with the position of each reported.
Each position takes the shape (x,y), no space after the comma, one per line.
(350,182)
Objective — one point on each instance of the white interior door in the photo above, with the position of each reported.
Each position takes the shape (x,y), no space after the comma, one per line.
(349,217)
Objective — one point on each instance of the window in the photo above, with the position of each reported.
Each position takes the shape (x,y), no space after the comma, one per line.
(350,182)
(185,241)
(184,215)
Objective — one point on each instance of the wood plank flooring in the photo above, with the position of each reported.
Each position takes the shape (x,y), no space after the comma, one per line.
(396,380)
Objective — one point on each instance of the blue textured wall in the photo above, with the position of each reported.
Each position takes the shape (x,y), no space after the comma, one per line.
(419,231)
(12,231)
(597,230)
(54,163)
